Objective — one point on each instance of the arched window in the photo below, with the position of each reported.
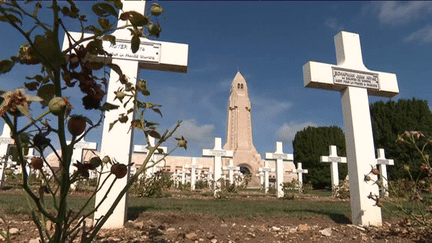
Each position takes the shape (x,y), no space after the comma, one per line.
(238,86)
(241,85)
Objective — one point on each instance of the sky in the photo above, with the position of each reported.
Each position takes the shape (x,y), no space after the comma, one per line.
(268,42)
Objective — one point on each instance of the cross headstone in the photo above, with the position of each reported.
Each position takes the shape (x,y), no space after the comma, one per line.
(194,166)
(77,155)
(217,153)
(266,170)
(260,174)
(231,169)
(300,171)
(334,159)
(355,82)
(153,159)
(117,142)
(5,142)
(382,163)
(280,157)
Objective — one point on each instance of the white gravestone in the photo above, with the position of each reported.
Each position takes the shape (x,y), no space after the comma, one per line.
(231,169)
(217,153)
(193,167)
(280,157)
(260,174)
(300,171)
(334,159)
(5,142)
(117,143)
(77,155)
(382,163)
(153,159)
(355,82)
(266,170)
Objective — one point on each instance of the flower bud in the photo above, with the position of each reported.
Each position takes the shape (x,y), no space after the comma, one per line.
(76,125)
(106,159)
(375,171)
(37,163)
(119,170)
(57,105)
(367,178)
(156,9)
(406,168)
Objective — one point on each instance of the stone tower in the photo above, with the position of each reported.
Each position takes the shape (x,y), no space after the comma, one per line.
(239,130)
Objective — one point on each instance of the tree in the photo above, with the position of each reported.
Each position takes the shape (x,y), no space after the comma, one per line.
(313,142)
(75,69)
(391,119)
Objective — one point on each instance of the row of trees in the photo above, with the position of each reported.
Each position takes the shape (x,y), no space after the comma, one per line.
(389,120)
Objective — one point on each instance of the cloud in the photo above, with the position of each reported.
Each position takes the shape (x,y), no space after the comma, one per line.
(195,133)
(287,132)
(397,13)
(423,35)
(333,24)
(267,107)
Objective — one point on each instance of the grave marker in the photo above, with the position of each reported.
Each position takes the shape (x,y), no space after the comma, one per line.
(217,153)
(231,169)
(280,157)
(355,81)
(153,159)
(194,166)
(266,170)
(117,143)
(77,155)
(334,159)
(5,143)
(382,165)
(300,171)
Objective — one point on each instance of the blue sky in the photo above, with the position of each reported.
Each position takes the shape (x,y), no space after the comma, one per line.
(268,42)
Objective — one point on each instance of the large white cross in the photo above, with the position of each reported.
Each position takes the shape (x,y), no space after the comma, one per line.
(5,142)
(217,153)
(334,159)
(266,170)
(355,81)
(300,171)
(77,155)
(382,165)
(117,143)
(153,159)
(194,166)
(280,157)
(231,169)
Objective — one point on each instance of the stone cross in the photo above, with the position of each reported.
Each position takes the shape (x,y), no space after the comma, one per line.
(300,171)
(260,174)
(145,149)
(334,159)
(5,143)
(77,155)
(382,163)
(117,142)
(280,157)
(355,82)
(217,153)
(266,170)
(231,169)
(194,166)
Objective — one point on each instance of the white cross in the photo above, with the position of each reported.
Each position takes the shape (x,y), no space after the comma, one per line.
(231,169)
(194,166)
(77,155)
(260,174)
(382,165)
(355,81)
(334,159)
(117,143)
(5,142)
(280,157)
(153,159)
(217,153)
(300,171)
(266,170)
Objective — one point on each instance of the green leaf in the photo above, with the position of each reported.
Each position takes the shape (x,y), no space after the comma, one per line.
(110,38)
(137,19)
(116,68)
(157,111)
(117,3)
(96,65)
(6,65)
(10,18)
(154,134)
(111,125)
(108,106)
(32,86)
(104,23)
(46,92)
(145,92)
(104,9)
(44,44)
(135,43)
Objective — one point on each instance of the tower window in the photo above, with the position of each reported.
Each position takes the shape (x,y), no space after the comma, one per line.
(241,85)
(238,86)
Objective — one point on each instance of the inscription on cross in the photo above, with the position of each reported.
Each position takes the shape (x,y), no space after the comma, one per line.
(280,157)
(217,153)
(334,159)
(355,106)
(117,142)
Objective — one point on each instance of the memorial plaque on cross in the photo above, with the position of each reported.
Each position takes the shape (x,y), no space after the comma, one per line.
(266,171)
(117,142)
(194,166)
(280,157)
(217,153)
(382,165)
(355,82)
(5,143)
(300,171)
(334,159)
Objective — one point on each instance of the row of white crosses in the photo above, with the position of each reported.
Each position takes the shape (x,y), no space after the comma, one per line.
(355,82)
(152,165)
(117,142)
(193,167)
(231,170)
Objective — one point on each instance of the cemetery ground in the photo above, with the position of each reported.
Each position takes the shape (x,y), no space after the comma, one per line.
(247,216)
